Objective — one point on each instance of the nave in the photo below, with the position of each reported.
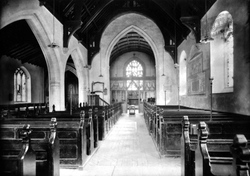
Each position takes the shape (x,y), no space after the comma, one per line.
(128,150)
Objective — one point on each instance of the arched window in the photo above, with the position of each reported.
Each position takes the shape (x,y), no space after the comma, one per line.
(222,53)
(134,69)
(20,86)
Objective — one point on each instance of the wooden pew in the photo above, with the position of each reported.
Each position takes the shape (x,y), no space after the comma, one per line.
(76,139)
(23,110)
(220,142)
(149,113)
(107,117)
(166,125)
(17,155)
(233,162)
(74,135)
(36,156)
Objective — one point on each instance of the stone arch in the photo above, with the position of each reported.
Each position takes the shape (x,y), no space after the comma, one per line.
(41,31)
(81,74)
(149,31)
(183,73)
(132,28)
(68,68)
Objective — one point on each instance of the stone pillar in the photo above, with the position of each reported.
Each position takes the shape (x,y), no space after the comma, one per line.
(55,96)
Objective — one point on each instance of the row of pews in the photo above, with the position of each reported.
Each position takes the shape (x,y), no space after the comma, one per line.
(32,109)
(43,144)
(23,110)
(208,143)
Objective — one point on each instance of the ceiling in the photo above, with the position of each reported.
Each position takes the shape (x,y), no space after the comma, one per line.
(87,19)
(132,41)
(18,42)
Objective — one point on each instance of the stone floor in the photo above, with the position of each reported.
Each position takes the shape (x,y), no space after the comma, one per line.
(128,150)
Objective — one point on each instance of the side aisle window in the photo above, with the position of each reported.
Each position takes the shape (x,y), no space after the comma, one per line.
(20,86)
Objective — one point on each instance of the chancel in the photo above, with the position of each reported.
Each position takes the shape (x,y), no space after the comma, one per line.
(124,87)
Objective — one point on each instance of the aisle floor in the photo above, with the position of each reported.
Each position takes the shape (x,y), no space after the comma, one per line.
(128,150)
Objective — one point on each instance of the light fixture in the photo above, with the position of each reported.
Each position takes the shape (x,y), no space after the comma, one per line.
(163,68)
(53,44)
(100,69)
(207,38)
(211,97)
(176,66)
(87,66)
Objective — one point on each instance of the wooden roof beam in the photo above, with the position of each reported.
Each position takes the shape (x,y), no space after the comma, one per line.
(94,16)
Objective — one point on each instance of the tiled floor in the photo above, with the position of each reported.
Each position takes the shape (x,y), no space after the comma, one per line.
(128,150)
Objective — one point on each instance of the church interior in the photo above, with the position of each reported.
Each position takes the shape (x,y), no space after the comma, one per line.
(125,87)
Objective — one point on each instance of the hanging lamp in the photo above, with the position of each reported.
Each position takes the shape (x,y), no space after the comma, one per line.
(100,69)
(53,44)
(163,68)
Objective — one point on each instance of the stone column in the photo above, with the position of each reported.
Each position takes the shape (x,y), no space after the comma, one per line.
(55,96)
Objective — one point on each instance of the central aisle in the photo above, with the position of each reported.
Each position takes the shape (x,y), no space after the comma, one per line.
(128,150)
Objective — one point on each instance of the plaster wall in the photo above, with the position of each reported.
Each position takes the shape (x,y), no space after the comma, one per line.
(237,101)
(144,26)
(8,67)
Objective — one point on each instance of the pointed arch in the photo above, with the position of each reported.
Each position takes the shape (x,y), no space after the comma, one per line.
(132,28)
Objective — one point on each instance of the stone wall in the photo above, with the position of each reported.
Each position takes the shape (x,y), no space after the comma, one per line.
(198,63)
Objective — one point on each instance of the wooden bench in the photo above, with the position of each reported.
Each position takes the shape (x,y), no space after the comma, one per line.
(107,116)
(22,155)
(232,162)
(78,139)
(170,127)
(23,110)
(165,125)
(75,136)
(220,140)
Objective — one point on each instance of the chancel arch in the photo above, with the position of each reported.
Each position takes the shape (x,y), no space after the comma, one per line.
(152,36)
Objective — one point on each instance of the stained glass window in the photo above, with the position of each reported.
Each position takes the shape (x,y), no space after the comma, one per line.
(134,69)
(20,88)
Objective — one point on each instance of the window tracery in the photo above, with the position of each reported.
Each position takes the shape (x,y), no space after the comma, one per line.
(134,69)
(20,86)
